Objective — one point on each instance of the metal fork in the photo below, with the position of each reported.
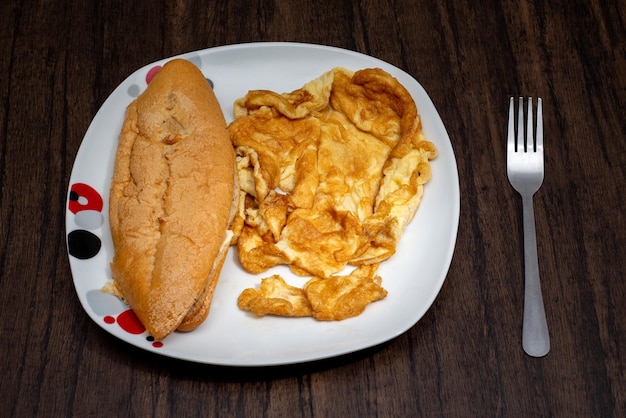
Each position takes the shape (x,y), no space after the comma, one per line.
(525,171)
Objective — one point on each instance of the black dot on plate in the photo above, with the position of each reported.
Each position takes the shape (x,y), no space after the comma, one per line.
(150,338)
(83,244)
(74,196)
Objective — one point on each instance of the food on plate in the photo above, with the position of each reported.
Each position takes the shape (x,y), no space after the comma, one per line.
(338,297)
(334,298)
(172,198)
(330,175)
(275,297)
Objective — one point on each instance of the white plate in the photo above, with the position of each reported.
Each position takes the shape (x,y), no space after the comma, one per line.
(413,276)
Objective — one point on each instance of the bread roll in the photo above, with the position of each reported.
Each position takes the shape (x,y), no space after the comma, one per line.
(172,199)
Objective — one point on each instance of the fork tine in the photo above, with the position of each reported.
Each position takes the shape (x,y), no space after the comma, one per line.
(539,126)
(521,142)
(530,142)
(510,147)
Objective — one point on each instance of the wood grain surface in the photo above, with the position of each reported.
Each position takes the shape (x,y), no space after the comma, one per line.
(59,60)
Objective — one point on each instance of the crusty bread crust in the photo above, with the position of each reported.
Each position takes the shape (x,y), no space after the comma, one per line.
(171,200)
(199,312)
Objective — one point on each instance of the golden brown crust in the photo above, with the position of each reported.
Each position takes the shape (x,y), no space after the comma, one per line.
(200,310)
(171,200)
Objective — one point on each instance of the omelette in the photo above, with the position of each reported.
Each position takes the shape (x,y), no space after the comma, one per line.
(330,175)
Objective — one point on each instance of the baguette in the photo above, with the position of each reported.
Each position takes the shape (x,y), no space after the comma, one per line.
(172,199)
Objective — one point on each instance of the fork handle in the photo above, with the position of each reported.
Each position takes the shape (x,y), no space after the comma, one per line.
(535,336)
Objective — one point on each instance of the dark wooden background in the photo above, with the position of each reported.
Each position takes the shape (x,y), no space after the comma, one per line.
(59,60)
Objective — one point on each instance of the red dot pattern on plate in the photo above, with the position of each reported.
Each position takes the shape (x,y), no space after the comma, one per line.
(83,244)
(129,322)
(151,73)
(84,197)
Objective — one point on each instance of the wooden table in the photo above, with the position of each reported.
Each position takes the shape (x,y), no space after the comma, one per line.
(60,61)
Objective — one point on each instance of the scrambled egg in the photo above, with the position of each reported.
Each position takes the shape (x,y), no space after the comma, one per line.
(330,176)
